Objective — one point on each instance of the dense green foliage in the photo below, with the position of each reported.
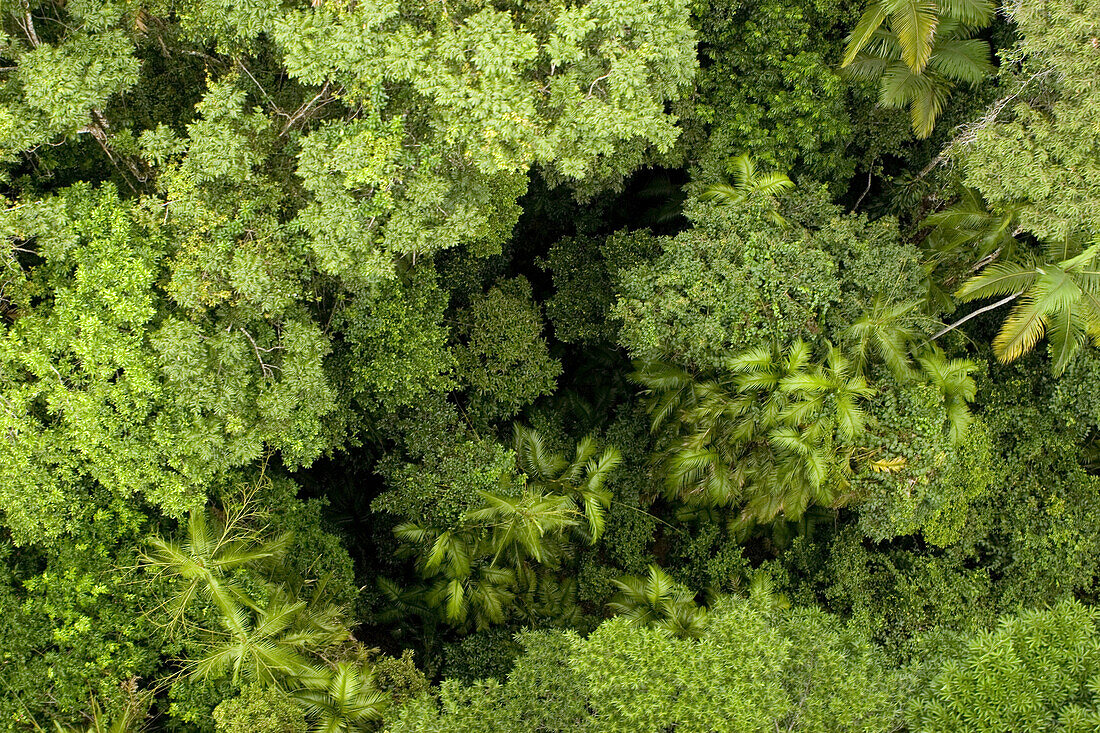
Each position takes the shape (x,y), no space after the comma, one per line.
(587,365)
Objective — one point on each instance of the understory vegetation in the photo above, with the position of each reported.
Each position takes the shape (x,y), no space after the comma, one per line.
(549,365)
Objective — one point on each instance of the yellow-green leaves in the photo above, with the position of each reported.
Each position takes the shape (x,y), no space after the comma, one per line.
(1058,299)
(919,49)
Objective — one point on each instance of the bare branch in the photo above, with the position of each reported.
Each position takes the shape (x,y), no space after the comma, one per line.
(265,368)
(978,312)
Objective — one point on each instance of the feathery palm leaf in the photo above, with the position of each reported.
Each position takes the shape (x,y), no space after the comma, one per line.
(659,601)
(341,699)
(747,181)
(1057,299)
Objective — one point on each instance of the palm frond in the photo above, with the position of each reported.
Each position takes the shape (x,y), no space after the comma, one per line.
(965,60)
(1022,329)
(869,22)
(914,22)
(974,13)
(1000,278)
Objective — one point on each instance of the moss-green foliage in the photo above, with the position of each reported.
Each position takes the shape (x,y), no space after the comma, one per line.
(583,269)
(769,87)
(755,668)
(282,285)
(399,678)
(921,482)
(503,357)
(444,467)
(259,710)
(396,344)
(763,284)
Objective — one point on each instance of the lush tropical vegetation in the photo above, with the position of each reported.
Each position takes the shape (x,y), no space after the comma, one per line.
(601,365)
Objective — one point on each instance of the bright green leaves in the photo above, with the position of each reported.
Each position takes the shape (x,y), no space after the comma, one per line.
(78,379)
(104,385)
(67,81)
(612,66)
(1036,671)
(757,668)
(1036,174)
(474,72)
(351,169)
(567,92)
(57,89)
(228,140)
(1035,151)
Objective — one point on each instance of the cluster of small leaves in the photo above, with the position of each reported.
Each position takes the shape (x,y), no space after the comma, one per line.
(103,386)
(503,357)
(757,667)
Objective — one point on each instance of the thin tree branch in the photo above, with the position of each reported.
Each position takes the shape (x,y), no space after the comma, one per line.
(265,368)
(978,312)
(27,23)
(865,191)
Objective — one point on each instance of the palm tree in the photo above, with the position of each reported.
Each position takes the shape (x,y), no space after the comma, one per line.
(953,378)
(581,479)
(204,562)
(525,527)
(748,181)
(915,25)
(886,331)
(770,433)
(461,580)
(130,720)
(341,698)
(473,570)
(261,647)
(265,633)
(659,601)
(951,57)
(1058,296)
(546,597)
(966,236)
